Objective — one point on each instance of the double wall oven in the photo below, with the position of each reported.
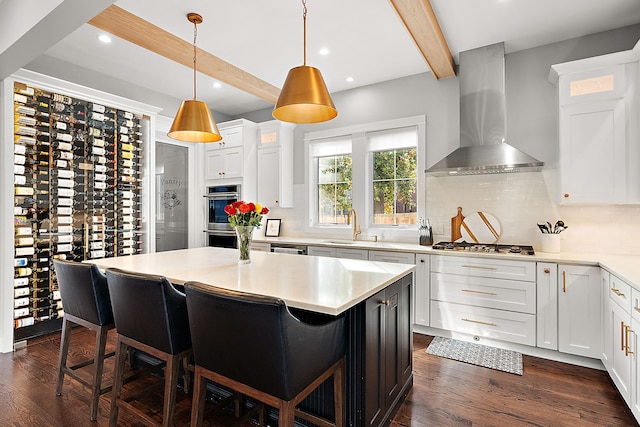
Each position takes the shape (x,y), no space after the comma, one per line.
(219,232)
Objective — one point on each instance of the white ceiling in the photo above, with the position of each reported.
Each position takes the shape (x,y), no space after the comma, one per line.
(365,38)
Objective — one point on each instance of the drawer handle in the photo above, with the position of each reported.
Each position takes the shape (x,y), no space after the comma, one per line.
(482,267)
(626,345)
(479,321)
(617,292)
(637,309)
(546,270)
(479,292)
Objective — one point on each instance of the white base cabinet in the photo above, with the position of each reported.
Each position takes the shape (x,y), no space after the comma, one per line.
(579,310)
(421,290)
(547,301)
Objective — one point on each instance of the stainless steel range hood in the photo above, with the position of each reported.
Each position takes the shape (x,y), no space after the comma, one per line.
(483,120)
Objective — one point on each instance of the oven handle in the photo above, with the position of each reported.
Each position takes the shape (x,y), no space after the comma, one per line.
(222,196)
(220,232)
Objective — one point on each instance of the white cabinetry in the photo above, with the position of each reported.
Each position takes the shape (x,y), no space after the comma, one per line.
(224,163)
(275,164)
(390,256)
(349,253)
(579,310)
(598,129)
(621,339)
(547,310)
(421,290)
(321,251)
(606,356)
(233,158)
(635,368)
(488,298)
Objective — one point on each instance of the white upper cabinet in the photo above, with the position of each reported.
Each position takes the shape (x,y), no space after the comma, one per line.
(275,164)
(598,129)
(233,158)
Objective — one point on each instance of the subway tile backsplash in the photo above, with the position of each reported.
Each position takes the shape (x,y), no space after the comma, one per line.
(520,200)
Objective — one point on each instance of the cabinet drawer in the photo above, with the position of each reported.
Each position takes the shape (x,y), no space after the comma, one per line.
(620,292)
(635,305)
(388,256)
(321,251)
(482,267)
(501,294)
(352,253)
(484,322)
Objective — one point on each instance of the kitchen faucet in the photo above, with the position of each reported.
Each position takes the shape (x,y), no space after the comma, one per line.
(356,228)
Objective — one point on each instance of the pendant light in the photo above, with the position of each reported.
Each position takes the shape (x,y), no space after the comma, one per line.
(304,98)
(194,122)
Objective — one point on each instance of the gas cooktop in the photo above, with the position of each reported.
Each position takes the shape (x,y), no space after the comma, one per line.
(485,248)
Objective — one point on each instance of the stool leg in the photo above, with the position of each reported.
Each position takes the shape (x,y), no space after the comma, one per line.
(199,394)
(286,414)
(338,394)
(98,361)
(121,352)
(64,350)
(170,389)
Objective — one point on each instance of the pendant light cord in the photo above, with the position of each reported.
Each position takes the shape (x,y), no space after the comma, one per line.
(304,19)
(195,35)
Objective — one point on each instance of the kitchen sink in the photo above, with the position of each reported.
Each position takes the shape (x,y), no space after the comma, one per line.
(339,242)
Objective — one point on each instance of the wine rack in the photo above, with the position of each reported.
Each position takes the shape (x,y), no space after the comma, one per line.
(77,180)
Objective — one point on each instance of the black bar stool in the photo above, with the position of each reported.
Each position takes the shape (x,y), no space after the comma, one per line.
(85,299)
(150,316)
(254,345)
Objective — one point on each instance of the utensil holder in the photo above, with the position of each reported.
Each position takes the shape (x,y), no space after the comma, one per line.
(550,243)
(426,239)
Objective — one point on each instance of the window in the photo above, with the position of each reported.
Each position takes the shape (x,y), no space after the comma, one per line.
(332,164)
(394,183)
(372,168)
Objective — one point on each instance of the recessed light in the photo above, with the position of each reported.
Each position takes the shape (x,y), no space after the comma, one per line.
(350,79)
(104,38)
(217,85)
(324,51)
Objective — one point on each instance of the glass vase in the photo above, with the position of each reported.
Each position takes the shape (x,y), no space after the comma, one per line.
(244,233)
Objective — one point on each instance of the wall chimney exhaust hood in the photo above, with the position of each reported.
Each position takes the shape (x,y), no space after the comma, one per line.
(483,120)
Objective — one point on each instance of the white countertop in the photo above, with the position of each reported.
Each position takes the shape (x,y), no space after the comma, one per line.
(324,285)
(626,267)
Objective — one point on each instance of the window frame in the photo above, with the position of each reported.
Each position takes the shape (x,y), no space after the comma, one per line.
(362,178)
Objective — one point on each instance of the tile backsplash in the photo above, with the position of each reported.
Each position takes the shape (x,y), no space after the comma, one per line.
(520,200)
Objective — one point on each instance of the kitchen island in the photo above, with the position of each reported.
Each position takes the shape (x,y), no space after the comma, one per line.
(374,297)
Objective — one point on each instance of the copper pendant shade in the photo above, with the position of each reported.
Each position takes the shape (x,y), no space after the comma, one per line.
(304,97)
(194,122)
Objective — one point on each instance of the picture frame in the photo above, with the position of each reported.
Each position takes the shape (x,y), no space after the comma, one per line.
(272,228)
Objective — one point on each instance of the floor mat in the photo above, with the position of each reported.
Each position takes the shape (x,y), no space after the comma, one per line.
(477,354)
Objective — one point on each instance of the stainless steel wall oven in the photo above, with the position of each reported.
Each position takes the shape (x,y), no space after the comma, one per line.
(219,232)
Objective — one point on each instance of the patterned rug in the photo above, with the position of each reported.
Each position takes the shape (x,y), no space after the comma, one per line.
(477,354)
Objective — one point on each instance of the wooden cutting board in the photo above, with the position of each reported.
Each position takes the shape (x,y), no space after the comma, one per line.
(456,222)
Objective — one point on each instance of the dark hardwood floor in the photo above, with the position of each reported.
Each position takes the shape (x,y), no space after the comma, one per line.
(445,393)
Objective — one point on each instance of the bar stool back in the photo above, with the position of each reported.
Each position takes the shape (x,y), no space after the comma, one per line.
(254,345)
(85,300)
(151,316)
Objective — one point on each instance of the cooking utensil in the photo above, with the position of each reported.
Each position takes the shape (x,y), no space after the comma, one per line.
(480,227)
(456,222)
(558,227)
(543,228)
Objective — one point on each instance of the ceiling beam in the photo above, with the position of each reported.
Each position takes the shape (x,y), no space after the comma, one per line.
(132,28)
(421,22)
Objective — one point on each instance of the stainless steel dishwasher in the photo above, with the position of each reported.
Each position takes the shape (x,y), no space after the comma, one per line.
(286,248)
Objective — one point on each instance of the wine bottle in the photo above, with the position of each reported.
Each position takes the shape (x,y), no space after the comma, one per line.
(25,321)
(24,140)
(23,109)
(25,120)
(62,192)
